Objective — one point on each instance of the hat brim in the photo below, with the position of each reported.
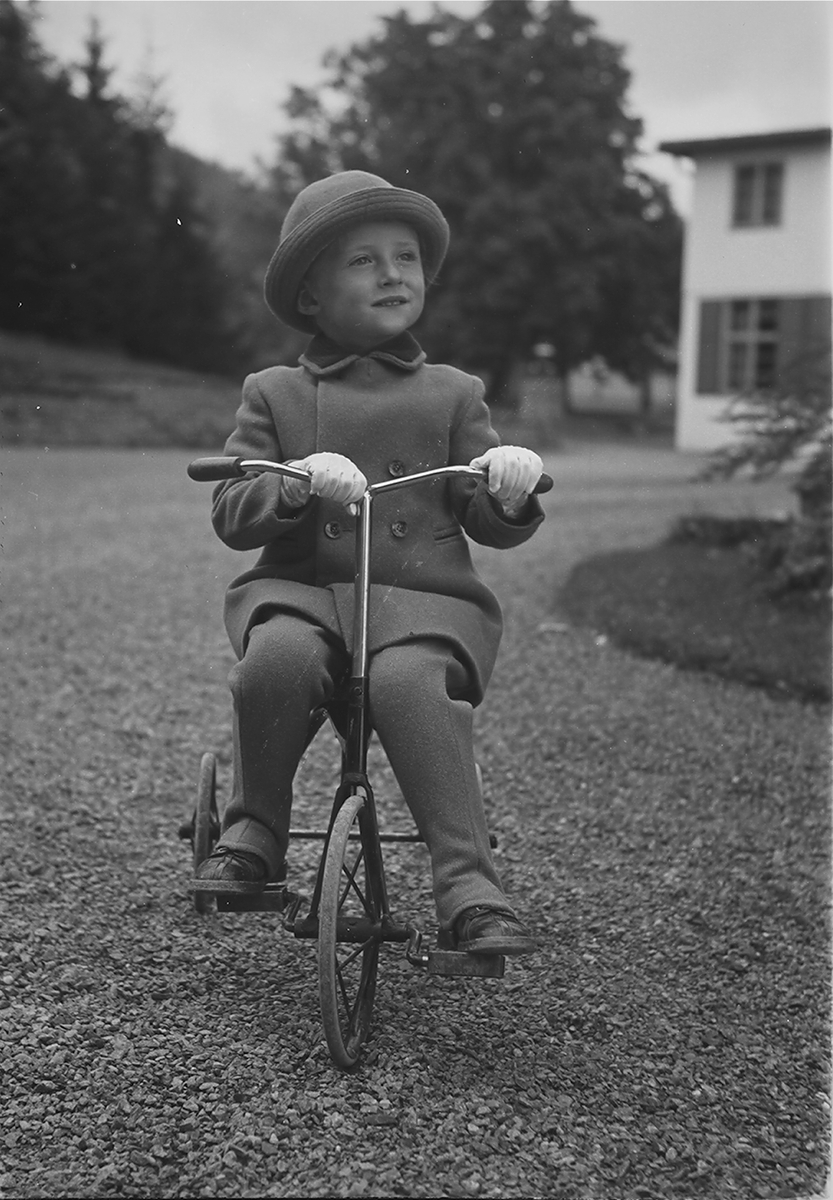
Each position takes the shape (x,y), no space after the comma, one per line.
(296,253)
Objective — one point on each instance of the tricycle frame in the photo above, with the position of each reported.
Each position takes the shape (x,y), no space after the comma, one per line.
(351,868)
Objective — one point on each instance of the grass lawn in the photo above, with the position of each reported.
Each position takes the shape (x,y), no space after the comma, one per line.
(706,608)
(54,395)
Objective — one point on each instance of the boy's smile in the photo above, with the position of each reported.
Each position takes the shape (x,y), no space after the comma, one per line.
(367,287)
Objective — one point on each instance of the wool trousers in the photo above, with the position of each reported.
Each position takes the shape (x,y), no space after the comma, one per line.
(291,667)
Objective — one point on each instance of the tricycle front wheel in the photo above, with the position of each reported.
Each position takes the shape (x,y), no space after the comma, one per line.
(348,943)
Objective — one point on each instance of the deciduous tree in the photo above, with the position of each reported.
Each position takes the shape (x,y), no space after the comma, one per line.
(516,122)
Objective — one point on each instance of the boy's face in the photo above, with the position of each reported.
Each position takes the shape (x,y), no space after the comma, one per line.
(367,286)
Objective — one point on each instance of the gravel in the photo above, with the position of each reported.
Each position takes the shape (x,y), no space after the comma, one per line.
(666,834)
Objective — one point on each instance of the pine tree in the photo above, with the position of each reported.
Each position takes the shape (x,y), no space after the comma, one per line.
(101,238)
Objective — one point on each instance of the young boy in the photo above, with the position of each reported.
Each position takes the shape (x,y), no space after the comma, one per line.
(351,268)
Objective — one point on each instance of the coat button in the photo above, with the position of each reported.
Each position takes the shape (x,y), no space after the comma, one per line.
(332,529)
(399,528)
(396,468)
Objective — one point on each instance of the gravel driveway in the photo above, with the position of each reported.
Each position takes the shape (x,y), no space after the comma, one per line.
(666,834)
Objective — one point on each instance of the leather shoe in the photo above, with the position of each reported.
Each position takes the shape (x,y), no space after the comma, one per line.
(229,870)
(487,931)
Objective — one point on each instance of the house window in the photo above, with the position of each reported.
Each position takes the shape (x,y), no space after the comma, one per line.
(751,341)
(754,343)
(758,196)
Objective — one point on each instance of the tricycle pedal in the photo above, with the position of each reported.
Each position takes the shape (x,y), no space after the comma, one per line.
(416,955)
(275,897)
(293,908)
(456,962)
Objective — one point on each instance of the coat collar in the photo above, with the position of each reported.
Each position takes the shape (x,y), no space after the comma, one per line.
(325,357)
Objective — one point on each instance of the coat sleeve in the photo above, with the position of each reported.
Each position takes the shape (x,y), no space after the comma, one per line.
(480,515)
(247,513)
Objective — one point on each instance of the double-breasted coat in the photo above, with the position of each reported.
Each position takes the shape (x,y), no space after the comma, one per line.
(392,414)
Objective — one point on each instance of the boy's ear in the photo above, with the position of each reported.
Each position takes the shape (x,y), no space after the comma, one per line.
(306,302)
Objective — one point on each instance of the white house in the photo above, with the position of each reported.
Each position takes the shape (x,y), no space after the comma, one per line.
(756,272)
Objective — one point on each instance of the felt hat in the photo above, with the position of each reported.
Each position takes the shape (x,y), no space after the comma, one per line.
(323,211)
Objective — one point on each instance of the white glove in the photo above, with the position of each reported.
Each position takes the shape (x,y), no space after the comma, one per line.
(512,474)
(331,476)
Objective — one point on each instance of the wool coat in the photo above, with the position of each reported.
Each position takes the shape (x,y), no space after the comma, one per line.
(393,414)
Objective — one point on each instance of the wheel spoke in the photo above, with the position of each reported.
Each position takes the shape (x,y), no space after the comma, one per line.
(353,885)
(351,1010)
(345,998)
(344,963)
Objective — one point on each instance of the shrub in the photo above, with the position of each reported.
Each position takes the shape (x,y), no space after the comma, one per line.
(789,426)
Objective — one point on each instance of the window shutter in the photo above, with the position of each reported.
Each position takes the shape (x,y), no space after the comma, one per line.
(708,356)
(817,321)
(744,195)
(773,190)
(804,334)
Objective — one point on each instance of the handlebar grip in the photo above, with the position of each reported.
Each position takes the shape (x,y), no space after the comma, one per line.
(544,484)
(208,470)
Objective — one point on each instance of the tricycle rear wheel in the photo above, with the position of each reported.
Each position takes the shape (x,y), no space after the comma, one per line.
(206,823)
(349,919)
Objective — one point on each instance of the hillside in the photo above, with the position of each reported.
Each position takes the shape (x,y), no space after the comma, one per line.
(62,395)
(58,395)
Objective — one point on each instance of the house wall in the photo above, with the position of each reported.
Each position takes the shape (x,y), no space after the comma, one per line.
(721,262)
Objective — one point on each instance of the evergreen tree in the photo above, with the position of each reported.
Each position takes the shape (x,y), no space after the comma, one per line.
(101,238)
(111,232)
(39,184)
(183,289)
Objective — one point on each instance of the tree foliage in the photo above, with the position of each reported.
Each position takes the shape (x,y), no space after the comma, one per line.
(515,121)
(101,238)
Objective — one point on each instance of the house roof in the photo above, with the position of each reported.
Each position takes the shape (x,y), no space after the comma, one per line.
(708,147)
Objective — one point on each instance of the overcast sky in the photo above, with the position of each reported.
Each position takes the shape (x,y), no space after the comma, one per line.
(699,67)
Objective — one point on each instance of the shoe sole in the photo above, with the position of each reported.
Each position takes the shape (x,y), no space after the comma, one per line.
(490,946)
(227,886)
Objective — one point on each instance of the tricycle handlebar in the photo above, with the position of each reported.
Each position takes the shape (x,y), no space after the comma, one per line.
(208,470)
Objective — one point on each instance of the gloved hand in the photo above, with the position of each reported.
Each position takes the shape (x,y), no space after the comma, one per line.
(331,476)
(512,474)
